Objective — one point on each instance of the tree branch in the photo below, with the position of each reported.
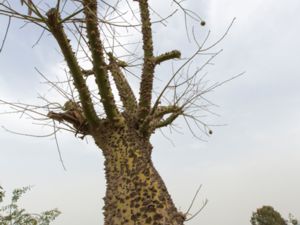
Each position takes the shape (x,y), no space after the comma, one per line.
(87,73)
(125,92)
(99,65)
(163,110)
(174,112)
(119,63)
(175,54)
(157,120)
(149,62)
(168,121)
(58,32)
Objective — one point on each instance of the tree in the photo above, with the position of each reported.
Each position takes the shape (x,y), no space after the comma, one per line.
(12,214)
(120,123)
(267,216)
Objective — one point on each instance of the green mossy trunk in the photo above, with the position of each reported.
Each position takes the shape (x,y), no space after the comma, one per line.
(136,194)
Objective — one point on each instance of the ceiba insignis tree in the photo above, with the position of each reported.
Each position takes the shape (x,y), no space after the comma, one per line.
(135,194)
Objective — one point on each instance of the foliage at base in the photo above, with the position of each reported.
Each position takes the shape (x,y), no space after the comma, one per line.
(12,214)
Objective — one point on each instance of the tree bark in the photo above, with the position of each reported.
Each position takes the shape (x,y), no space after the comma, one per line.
(136,194)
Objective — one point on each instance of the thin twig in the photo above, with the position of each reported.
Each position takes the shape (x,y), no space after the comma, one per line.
(5,35)
(58,148)
(194,198)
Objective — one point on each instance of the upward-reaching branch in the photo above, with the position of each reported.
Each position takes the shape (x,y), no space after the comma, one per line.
(56,28)
(99,65)
(149,62)
(124,89)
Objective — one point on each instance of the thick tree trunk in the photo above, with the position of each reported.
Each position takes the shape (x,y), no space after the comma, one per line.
(136,194)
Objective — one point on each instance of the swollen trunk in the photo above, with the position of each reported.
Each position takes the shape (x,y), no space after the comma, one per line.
(136,194)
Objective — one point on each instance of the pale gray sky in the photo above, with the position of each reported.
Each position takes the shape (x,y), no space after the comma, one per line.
(252,161)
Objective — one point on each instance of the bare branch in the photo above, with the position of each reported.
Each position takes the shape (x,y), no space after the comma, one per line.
(199,211)
(57,30)
(58,148)
(149,63)
(168,120)
(126,94)
(193,200)
(99,66)
(8,11)
(5,35)
(157,120)
(175,54)
(29,135)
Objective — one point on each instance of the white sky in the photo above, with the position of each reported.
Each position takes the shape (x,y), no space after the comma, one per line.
(253,161)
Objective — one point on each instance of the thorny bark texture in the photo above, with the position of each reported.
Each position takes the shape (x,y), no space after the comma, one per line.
(136,194)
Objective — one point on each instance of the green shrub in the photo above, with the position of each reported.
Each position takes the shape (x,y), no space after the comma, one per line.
(12,214)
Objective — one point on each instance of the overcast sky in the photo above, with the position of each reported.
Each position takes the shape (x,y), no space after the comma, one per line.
(252,161)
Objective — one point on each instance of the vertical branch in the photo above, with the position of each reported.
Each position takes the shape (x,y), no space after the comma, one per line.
(124,89)
(149,62)
(56,28)
(99,65)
